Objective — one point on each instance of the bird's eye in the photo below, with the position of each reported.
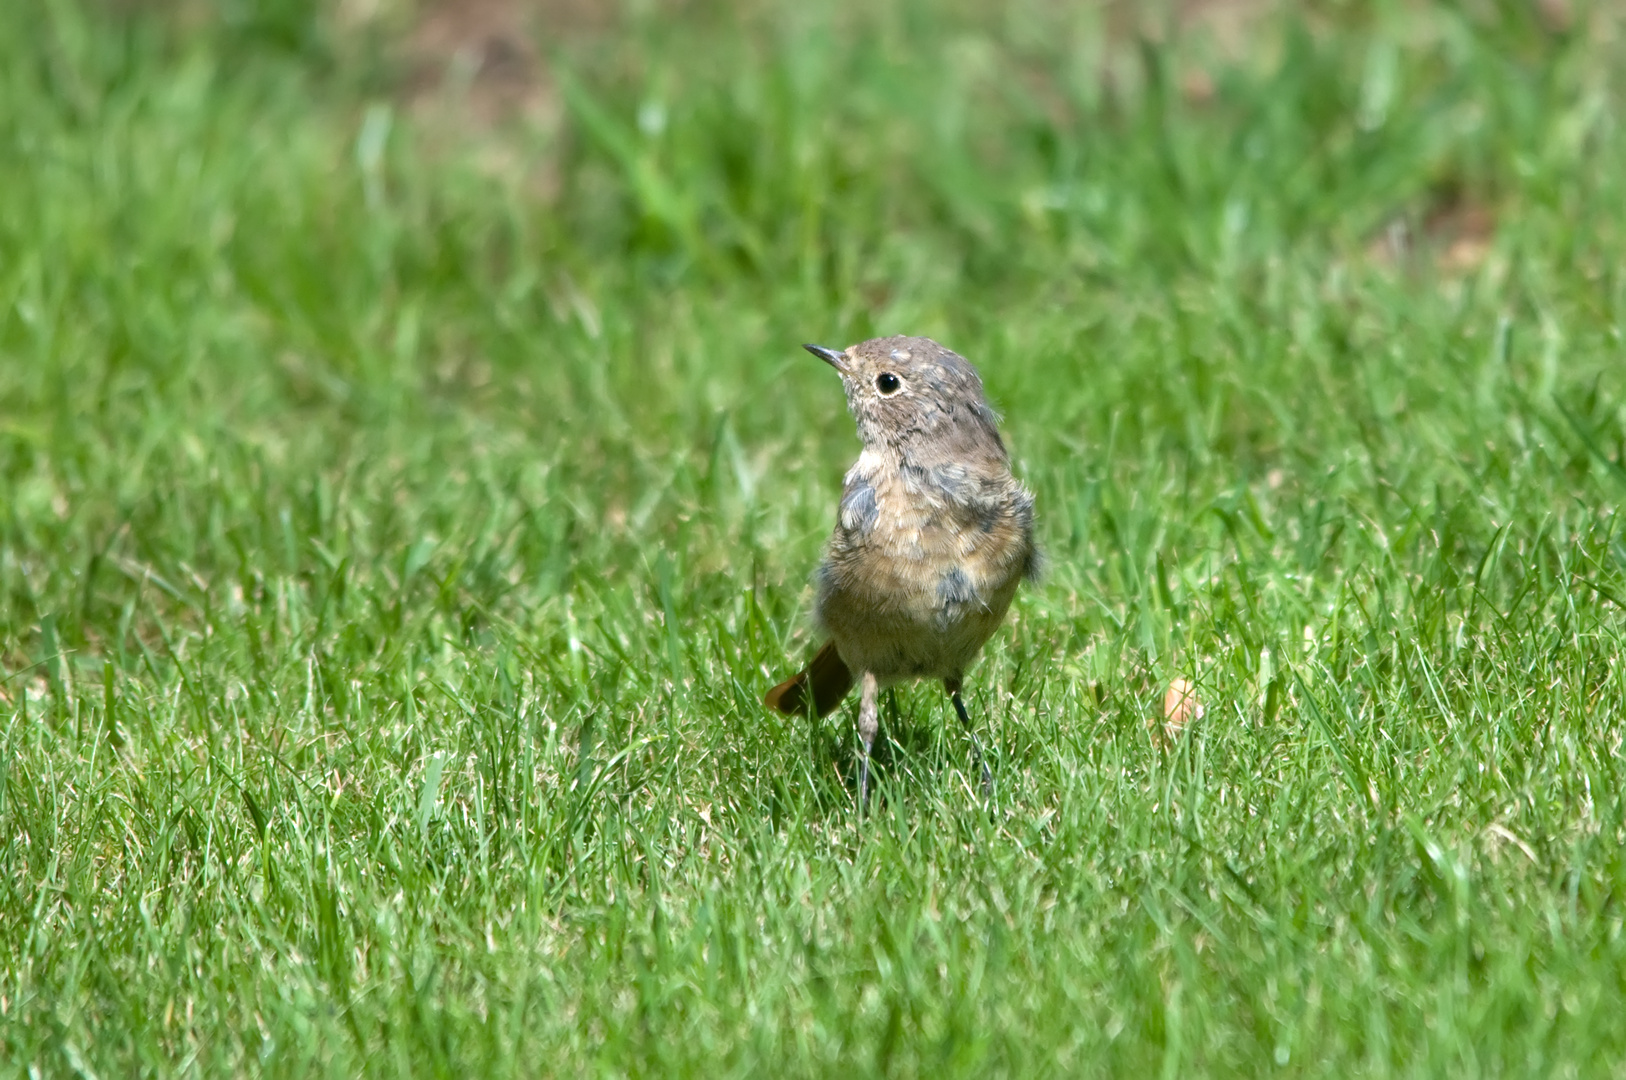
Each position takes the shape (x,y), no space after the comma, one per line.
(887,383)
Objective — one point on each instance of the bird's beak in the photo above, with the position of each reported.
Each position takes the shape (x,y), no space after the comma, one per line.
(829,356)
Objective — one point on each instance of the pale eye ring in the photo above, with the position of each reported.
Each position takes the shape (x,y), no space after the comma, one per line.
(888,383)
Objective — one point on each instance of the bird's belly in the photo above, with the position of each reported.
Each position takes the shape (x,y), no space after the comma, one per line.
(915,589)
(912,621)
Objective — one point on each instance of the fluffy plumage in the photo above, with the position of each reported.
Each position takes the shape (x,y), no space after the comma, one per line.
(932,536)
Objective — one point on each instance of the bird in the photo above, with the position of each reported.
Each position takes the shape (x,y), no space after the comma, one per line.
(932,537)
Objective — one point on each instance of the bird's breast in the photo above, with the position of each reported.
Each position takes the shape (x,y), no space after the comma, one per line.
(922,567)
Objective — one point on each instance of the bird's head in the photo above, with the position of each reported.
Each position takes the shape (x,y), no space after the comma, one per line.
(913,394)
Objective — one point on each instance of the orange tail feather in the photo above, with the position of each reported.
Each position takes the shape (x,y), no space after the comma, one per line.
(826,680)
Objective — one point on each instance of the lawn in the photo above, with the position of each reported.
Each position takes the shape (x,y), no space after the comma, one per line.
(410,479)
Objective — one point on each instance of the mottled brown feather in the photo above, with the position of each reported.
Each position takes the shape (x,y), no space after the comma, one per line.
(931,540)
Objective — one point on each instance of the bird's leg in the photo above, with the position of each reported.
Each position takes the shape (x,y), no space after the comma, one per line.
(953,687)
(868,720)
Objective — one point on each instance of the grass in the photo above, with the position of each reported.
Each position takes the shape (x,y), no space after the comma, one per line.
(400,521)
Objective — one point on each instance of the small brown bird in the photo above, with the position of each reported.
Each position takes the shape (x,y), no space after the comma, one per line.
(932,537)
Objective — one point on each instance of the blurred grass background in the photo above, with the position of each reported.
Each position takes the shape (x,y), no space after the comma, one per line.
(409,479)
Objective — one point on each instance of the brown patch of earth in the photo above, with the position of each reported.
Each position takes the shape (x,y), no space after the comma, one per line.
(485,55)
(476,73)
(1460,233)
(1455,233)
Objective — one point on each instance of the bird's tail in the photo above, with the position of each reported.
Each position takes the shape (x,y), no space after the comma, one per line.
(825,681)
